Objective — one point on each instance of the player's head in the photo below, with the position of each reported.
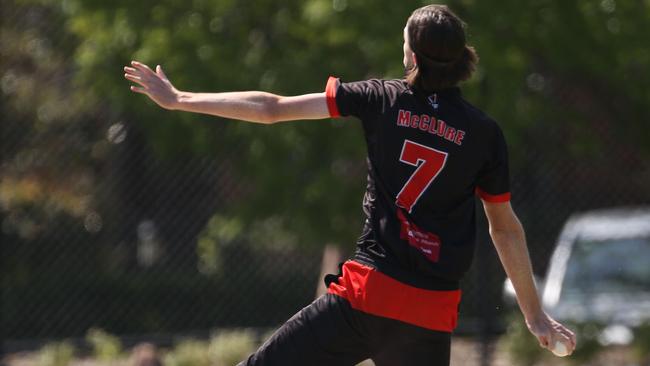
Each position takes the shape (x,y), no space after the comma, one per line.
(435,53)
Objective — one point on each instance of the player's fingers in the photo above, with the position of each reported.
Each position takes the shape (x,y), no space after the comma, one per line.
(135,79)
(135,72)
(544,340)
(142,67)
(565,333)
(131,70)
(139,90)
(132,76)
(571,337)
(574,342)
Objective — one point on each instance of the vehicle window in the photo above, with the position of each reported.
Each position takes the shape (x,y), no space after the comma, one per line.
(621,265)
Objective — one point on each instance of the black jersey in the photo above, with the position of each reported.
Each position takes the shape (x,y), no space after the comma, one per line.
(428,157)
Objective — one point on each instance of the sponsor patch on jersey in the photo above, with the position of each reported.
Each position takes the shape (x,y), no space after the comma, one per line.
(427,243)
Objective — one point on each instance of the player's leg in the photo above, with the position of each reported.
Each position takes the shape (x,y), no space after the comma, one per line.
(405,344)
(327,332)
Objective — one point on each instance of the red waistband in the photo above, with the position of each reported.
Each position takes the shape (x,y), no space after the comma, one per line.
(375,293)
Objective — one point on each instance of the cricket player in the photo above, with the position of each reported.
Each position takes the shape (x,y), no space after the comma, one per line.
(431,155)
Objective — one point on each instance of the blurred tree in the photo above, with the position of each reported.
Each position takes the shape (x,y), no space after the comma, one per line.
(52,140)
(538,68)
(565,81)
(578,64)
(85,161)
(314,171)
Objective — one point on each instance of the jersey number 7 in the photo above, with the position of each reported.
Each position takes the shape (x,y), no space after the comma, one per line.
(429,163)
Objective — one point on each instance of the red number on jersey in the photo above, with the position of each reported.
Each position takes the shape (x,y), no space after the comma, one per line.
(429,163)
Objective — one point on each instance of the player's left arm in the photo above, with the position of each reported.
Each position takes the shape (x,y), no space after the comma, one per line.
(251,106)
(510,241)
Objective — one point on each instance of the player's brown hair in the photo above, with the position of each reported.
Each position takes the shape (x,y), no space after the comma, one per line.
(443,59)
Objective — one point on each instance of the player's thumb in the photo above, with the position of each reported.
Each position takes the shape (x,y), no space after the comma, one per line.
(544,340)
(160,72)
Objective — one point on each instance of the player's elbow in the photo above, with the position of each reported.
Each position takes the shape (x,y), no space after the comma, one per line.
(270,112)
(506,237)
(500,235)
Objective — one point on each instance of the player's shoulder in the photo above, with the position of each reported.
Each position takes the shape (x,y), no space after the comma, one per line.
(389,91)
(399,85)
(480,117)
(393,89)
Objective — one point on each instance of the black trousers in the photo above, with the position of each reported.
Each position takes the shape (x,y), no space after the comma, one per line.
(329,332)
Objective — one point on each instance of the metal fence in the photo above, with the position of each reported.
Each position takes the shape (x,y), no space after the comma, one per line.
(101,231)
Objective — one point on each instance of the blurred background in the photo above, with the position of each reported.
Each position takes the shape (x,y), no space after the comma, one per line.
(132,234)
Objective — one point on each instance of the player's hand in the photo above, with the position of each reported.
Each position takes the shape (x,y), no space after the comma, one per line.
(548,332)
(153,84)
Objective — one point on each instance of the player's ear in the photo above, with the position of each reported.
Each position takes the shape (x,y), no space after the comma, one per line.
(415,59)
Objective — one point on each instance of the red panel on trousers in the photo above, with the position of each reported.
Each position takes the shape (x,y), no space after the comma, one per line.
(375,293)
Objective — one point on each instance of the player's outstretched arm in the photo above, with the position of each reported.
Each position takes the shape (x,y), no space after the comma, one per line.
(510,241)
(252,106)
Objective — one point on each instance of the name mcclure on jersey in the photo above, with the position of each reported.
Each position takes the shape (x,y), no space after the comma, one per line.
(431,125)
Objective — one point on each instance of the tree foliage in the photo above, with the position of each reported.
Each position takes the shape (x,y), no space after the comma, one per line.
(86,163)
(577,64)
(546,62)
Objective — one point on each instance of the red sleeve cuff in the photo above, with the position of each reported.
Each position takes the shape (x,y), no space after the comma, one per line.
(330,93)
(494,198)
